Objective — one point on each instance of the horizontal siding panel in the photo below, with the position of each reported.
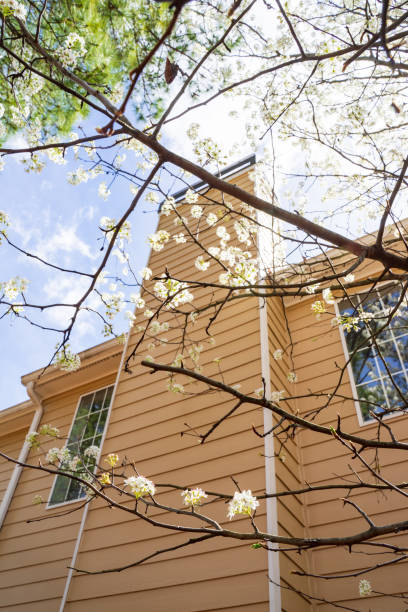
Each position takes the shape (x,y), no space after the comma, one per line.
(242,591)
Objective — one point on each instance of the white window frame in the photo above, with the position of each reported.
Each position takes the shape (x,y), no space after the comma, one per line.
(361,421)
(50,506)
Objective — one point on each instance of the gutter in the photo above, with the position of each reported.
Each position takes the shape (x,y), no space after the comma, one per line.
(266,255)
(15,477)
(86,509)
(270,472)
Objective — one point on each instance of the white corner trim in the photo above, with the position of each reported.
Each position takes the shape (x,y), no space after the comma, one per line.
(25,449)
(270,473)
(86,509)
(266,255)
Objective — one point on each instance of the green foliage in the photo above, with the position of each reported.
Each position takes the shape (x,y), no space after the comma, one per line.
(116,35)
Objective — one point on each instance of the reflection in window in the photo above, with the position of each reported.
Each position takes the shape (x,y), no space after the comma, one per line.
(87,429)
(379,350)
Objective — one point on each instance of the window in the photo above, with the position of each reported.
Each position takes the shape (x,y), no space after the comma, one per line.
(87,430)
(378,351)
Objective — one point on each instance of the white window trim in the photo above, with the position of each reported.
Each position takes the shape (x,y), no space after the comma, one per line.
(353,386)
(79,499)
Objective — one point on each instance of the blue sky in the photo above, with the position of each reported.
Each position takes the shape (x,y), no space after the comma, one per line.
(59,222)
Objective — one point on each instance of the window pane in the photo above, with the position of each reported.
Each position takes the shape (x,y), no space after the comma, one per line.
(397,392)
(85,405)
(60,490)
(371,397)
(75,491)
(102,421)
(108,397)
(390,356)
(91,426)
(87,430)
(378,349)
(364,366)
(97,404)
(78,429)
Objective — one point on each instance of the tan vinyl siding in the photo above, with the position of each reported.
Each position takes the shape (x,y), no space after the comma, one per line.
(318,354)
(10,445)
(146,424)
(291,514)
(34,555)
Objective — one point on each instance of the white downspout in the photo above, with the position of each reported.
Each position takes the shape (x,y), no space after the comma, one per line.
(270,472)
(11,487)
(267,259)
(86,509)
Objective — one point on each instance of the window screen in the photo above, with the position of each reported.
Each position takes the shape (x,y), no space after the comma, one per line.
(379,351)
(87,430)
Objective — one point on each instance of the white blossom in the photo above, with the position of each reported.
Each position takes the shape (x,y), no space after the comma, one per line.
(13,287)
(13,7)
(80,175)
(200,264)
(67,361)
(168,206)
(276,396)
(196,211)
(211,219)
(175,292)
(292,377)
(103,191)
(242,503)
(32,439)
(92,452)
(64,454)
(48,430)
(179,238)
(140,486)
(278,354)
(158,240)
(328,296)
(73,464)
(53,455)
(145,273)
(349,278)
(137,300)
(72,49)
(174,387)
(191,197)
(193,497)
(364,588)
(312,288)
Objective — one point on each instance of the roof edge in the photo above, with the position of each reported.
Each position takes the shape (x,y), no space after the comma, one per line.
(235,168)
(17,410)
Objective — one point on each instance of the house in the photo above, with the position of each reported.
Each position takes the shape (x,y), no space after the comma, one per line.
(134,414)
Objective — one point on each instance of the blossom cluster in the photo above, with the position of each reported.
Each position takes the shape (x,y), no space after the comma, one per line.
(140,486)
(242,503)
(193,497)
(158,240)
(13,287)
(364,588)
(72,49)
(49,430)
(13,7)
(174,292)
(66,360)
(4,221)
(112,459)
(174,386)
(276,396)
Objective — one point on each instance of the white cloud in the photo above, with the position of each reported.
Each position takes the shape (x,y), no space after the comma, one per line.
(64,239)
(68,291)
